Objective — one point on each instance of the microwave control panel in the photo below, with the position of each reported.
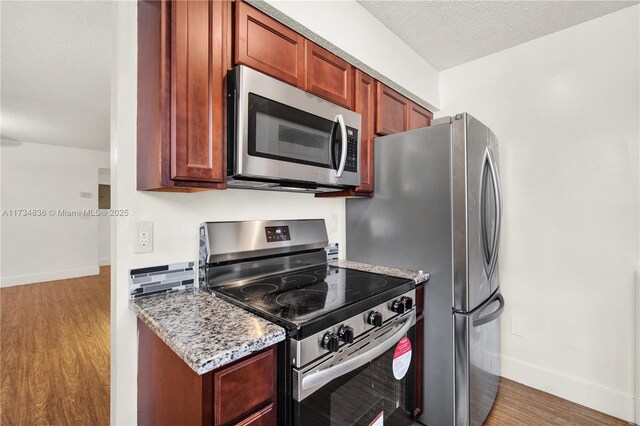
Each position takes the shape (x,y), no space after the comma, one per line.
(351,164)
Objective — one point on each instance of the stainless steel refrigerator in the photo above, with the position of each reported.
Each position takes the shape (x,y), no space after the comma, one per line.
(438,207)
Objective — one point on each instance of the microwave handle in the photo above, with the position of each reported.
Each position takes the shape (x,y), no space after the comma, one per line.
(343,154)
(333,139)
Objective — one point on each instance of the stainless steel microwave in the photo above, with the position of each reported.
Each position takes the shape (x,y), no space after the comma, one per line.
(283,138)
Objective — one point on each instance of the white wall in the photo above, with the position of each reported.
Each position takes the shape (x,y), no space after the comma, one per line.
(349,26)
(104,225)
(565,109)
(175,217)
(43,248)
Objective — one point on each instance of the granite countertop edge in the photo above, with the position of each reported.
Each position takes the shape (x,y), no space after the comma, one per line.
(417,276)
(207,359)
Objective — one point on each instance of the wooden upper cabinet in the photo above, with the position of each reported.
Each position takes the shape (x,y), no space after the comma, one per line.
(198,67)
(392,111)
(328,76)
(419,117)
(266,45)
(365,105)
(184,51)
(395,113)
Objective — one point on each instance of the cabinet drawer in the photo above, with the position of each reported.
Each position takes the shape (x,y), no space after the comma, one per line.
(242,387)
(264,417)
(328,76)
(266,45)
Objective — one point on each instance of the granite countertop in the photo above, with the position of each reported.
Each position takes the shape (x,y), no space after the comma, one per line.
(417,276)
(205,331)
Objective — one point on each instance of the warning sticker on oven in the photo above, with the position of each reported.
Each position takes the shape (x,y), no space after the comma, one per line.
(402,358)
(379,420)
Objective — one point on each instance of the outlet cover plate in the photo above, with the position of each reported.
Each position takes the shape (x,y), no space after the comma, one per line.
(143,237)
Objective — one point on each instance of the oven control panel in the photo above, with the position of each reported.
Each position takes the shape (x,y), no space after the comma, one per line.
(317,359)
(337,339)
(277,233)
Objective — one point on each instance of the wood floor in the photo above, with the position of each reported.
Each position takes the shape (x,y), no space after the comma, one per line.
(520,405)
(54,352)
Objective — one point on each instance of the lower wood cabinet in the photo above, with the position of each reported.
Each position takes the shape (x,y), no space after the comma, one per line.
(419,354)
(419,369)
(171,393)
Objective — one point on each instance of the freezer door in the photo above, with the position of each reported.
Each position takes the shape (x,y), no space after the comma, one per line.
(477,363)
(476,212)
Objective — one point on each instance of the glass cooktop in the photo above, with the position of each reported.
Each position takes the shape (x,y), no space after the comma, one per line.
(303,296)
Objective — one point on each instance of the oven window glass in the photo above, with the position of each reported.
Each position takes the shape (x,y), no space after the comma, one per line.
(280,132)
(358,398)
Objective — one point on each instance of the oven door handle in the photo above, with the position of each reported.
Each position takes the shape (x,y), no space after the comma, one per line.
(325,376)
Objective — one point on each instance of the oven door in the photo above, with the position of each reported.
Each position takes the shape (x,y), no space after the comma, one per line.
(285,134)
(374,386)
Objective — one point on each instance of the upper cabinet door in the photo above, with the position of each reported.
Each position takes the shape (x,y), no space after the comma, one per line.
(392,111)
(328,76)
(365,105)
(199,60)
(266,45)
(419,117)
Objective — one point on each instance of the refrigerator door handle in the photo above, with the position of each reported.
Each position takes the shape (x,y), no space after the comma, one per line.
(486,249)
(493,315)
(491,251)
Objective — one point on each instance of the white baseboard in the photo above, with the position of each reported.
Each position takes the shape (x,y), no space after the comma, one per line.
(609,401)
(104,262)
(48,276)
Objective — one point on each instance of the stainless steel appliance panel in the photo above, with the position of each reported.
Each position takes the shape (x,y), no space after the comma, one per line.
(248,83)
(229,241)
(408,225)
(477,356)
(470,163)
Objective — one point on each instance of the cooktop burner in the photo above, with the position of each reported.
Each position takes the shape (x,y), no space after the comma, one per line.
(300,297)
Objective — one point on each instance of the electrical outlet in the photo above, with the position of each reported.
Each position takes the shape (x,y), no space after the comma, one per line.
(333,223)
(516,327)
(143,237)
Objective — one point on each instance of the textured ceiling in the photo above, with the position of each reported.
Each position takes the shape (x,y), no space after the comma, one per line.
(449,33)
(56,72)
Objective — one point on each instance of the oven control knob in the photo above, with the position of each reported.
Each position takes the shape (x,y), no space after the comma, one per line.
(330,342)
(408,302)
(398,306)
(345,333)
(375,319)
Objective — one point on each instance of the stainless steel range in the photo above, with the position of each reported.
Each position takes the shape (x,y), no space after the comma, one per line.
(347,359)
